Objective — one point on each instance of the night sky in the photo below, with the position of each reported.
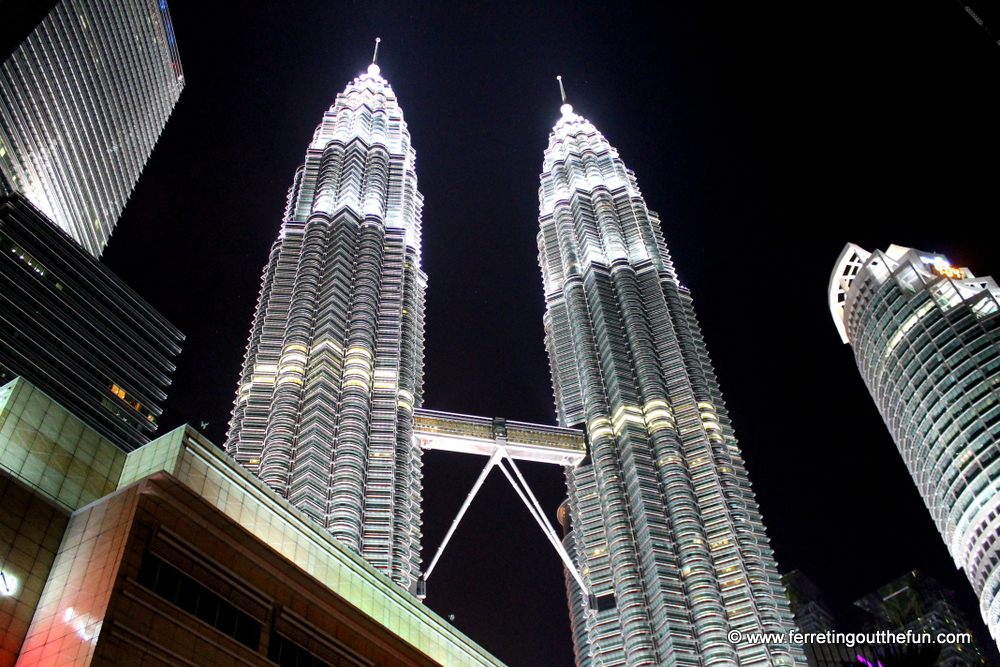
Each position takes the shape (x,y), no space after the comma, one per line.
(766,137)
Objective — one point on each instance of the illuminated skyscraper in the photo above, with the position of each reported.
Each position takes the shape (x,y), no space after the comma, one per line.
(334,368)
(82,102)
(926,337)
(665,528)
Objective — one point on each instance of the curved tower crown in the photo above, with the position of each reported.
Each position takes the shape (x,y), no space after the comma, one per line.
(665,528)
(334,367)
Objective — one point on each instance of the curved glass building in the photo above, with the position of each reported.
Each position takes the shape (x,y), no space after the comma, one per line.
(926,337)
(334,368)
(663,524)
(82,102)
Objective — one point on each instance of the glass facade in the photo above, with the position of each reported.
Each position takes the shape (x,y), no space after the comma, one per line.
(71,327)
(334,368)
(664,526)
(82,102)
(926,338)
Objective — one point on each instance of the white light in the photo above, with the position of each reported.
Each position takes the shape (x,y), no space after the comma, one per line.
(373,69)
(936,261)
(567,109)
(82,624)
(8,584)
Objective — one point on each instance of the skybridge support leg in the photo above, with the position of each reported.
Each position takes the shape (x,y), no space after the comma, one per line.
(494,460)
(529,500)
(527,497)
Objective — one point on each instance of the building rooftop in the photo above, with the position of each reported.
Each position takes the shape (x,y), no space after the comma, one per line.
(52,451)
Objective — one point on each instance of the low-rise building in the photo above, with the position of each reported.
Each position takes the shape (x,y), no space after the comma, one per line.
(175,555)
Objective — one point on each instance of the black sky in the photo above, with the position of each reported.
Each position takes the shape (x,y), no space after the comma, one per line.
(767,135)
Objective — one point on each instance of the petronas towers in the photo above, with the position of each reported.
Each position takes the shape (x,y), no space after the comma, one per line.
(665,531)
(334,368)
(664,526)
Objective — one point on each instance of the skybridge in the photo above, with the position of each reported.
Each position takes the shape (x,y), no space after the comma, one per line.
(466,434)
(504,442)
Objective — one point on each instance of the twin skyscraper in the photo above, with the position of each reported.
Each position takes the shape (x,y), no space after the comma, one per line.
(664,529)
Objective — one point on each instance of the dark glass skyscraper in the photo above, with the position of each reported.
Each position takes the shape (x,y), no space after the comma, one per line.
(82,102)
(926,338)
(74,330)
(334,368)
(919,604)
(665,528)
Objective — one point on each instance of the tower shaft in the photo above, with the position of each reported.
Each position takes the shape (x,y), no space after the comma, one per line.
(334,367)
(664,525)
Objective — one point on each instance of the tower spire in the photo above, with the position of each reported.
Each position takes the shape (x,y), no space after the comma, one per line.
(566,108)
(374,69)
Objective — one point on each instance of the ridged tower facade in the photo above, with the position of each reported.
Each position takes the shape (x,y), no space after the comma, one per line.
(664,527)
(926,338)
(334,367)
